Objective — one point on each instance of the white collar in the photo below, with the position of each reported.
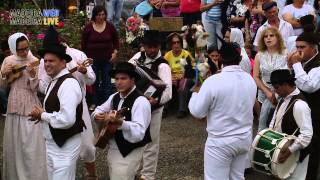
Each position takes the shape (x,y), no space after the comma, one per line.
(295,92)
(311,58)
(231,68)
(61,73)
(282,22)
(123,97)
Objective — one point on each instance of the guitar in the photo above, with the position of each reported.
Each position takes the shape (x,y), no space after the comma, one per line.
(17,70)
(85,63)
(108,130)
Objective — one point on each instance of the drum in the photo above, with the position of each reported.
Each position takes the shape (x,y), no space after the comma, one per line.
(265,151)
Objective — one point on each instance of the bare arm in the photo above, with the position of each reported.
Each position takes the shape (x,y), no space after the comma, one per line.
(293,21)
(171,4)
(256,76)
(206,7)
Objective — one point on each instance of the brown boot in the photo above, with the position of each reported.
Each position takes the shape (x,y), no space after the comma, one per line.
(91,171)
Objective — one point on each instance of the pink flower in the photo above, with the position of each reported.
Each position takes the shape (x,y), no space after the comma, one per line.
(40,36)
(60,24)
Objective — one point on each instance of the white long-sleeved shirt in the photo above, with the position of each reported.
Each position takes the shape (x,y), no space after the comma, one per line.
(302,116)
(134,130)
(227,99)
(70,96)
(77,57)
(308,82)
(164,73)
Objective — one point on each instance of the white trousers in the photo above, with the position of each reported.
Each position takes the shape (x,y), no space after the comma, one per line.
(151,151)
(88,150)
(61,162)
(225,158)
(121,168)
(300,172)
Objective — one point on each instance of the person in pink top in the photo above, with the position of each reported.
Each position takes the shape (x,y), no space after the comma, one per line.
(190,11)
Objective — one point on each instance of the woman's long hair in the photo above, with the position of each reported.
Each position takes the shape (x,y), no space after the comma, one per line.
(261,44)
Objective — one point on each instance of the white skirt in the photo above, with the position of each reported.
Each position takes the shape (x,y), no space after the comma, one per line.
(24,155)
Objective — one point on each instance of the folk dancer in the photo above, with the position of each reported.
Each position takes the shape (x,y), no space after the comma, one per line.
(229,112)
(152,59)
(23,144)
(293,117)
(133,132)
(85,76)
(306,65)
(61,115)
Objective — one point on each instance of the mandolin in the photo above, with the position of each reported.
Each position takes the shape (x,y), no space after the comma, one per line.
(17,70)
(108,130)
(85,63)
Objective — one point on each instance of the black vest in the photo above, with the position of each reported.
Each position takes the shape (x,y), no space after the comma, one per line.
(313,99)
(125,147)
(155,69)
(289,125)
(60,136)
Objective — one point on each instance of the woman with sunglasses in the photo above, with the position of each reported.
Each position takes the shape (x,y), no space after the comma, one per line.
(180,62)
(23,143)
(272,55)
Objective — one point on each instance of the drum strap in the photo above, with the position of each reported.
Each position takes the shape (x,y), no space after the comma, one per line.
(277,123)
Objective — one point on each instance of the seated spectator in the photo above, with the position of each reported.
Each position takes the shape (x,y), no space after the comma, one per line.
(292,13)
(5,52)
(316,7)
(214,60)
(249,49)
(180,62)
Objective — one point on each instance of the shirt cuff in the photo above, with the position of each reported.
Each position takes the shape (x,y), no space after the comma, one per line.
(298,69)
(294,147)
(45,117)
(125,125)
(31,78)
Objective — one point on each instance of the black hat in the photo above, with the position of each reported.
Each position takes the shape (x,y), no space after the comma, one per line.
(280,76)
(268,5)
(152,37)
(308,37)
(126,68)
(51,44)
(57,49)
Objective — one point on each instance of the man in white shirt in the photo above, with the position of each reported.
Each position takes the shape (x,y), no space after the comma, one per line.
(293,117)
(271,12)
(153,60)
(306,65)
(86,76)
(133,132)
(227,100)
(61,115)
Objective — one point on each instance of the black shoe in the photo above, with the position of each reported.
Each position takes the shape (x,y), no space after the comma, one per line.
(182,114)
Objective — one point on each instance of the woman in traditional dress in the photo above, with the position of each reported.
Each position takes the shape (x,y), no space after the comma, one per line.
(24,155)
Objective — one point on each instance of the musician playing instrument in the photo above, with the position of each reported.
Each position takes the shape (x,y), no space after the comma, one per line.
(293,117)
(22,138)
(125,149)
(153,60)
(80,68)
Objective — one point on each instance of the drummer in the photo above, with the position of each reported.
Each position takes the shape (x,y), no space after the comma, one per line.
(292,116)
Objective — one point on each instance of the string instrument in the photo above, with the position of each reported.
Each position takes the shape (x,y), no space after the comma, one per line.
(85,63)
(17,70)
(108,129)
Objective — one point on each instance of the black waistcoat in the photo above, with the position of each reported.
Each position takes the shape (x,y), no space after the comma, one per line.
(52,104)
(125,147)
(289,125)
(313,99)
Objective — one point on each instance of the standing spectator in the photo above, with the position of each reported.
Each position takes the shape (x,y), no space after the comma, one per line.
(170,8)
(24,152)
(190,11)
(237,14)
(212,19)
(271,12)
(180,70)
(294,11)
(100,42)
(271,56)
(257,17)
(114,9)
